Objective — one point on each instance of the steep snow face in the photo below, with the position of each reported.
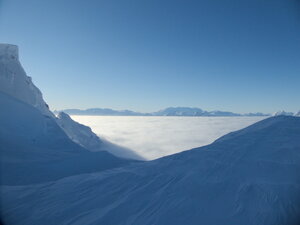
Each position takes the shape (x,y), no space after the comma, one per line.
(9,52)
(79,133)
(15,82)
(35,149)
(84,136)
(247,177)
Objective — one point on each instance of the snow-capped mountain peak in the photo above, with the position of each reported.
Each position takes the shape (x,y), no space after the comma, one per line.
(79,133)
(282,113)
(9,52)
(15,82)
(297,113)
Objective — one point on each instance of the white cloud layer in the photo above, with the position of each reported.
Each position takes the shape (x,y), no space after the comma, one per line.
(154,137)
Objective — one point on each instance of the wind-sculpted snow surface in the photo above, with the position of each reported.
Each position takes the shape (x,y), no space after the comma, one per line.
(33,146)
(34,149)
(14,82)
(84,136)
(248,177)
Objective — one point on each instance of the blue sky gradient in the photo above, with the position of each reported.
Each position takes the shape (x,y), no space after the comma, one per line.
(241,56)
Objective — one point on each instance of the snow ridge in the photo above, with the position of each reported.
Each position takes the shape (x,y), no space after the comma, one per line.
(297,113)
(84,136)
(14,82)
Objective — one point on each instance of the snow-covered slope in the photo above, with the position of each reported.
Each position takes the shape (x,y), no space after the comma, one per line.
(79,133)
(14,82)
(34,149)
(248,177)
(84,136)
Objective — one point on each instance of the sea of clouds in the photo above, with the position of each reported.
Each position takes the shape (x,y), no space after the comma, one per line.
(154,137)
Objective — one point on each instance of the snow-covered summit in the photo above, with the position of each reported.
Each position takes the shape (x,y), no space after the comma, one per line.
(297,113)
(15,82)
(9,52)
(282,113)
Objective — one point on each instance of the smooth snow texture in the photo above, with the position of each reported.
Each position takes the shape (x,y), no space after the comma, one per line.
(35,149)
(248,177)
(84,136)
(154,137)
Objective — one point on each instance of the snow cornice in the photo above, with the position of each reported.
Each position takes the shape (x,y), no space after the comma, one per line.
(9,51)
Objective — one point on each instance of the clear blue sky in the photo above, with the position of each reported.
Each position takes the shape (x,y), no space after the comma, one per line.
(144,55)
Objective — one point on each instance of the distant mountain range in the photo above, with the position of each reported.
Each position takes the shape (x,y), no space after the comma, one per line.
(171,111)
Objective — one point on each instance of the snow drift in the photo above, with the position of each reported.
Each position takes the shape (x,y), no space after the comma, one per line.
(35,149)
(246,177)
(84,136)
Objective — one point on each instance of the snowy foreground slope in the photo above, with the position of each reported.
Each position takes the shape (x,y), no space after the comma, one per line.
(248,177)
(35,149)
(35,145)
